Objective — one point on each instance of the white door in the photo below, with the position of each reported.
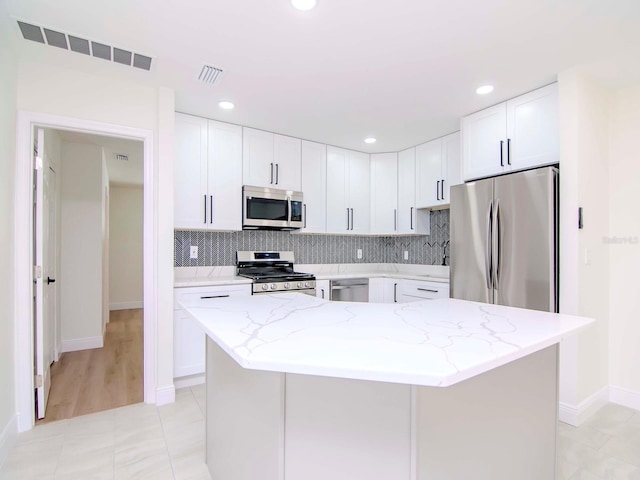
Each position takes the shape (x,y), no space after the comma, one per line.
(384,193)
(532,129)
(287,160)
(406,190)
(483,142)
(358,191)
(429,174)
(314,187)
(338,215)
(192,202)
(258,165)
(45,269)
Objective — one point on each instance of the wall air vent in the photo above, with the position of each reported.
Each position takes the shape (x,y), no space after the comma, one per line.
(66,41)
(122,157)
(210,74)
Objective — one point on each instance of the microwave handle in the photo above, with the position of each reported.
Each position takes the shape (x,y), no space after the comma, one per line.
(289,212)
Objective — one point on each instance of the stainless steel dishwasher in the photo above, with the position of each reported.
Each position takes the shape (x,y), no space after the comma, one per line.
(350,290)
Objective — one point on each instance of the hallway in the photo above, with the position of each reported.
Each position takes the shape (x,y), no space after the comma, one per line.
(89,381)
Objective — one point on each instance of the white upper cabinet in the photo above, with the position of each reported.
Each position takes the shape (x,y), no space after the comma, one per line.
(314,187)
(347,191)
(406,191)
(519,134)
(271,160)
(384,193)
(437,169)
(207,174)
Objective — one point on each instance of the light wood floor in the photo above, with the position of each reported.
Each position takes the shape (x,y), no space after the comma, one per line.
(89,381)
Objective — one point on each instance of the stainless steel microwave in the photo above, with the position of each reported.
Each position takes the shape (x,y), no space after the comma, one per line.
(271,209)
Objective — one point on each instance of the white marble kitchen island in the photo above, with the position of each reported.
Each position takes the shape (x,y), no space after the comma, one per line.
(299,388)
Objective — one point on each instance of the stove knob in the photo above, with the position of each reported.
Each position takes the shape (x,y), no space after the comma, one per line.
(307,284)
(299,285)
(287,286)
(265,286)
(273,286)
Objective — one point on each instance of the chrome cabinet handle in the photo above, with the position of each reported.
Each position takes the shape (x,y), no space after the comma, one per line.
(206,297)
(395,293)
(271,179)
(348,222)
(442,189)
(322,292)
(211,208)
(277,172)
(304,205)
(438,190)
(205,209)
(427,290)
(411,216)
(501,148)
(508,151)
(352,219)
(395,219)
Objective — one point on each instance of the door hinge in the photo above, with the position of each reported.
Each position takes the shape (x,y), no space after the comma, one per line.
(37,272)
(37,162)
(37,380)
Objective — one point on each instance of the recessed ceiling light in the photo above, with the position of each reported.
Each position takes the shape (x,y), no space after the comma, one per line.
(303,5)
(483,90)
(226,105)
(369,140)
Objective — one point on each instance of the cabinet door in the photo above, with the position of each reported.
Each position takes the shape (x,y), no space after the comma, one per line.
(533,129)
(450,165)
(483,138)
(338,219)
(384,193)
(188,337)
(428,174)
(314,187)
(406,191)
(225,176)
(323,289)
(190,172)
(258,167)
(286,158)
(358,192)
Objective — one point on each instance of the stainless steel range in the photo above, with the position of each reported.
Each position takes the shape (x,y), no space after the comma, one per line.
(273,272)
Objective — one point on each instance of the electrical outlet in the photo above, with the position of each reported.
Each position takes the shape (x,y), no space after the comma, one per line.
(406,254)
(359,252)
(193,252)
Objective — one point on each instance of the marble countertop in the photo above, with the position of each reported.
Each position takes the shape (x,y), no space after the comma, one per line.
(211,276)
(429,343)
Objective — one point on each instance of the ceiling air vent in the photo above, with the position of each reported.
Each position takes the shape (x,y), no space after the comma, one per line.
(210,74)
(122,157)
(84,46)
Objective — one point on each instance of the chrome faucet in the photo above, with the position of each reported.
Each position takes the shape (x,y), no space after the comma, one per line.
(444,253)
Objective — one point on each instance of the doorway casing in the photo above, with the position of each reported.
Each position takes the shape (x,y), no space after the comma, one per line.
(26,123)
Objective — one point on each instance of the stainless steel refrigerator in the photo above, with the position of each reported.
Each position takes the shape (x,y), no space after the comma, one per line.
(504,240)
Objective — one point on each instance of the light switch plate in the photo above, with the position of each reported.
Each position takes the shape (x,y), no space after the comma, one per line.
(359,252)
(406,254)
(193,252)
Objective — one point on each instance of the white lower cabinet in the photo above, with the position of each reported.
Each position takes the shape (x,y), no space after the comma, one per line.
(416,291)
(188,337)
(323,289)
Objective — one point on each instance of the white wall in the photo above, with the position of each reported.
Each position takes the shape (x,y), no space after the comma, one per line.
(7,313)
(55,90)
(624,183)
(584,258)
(125,247)
(81,248)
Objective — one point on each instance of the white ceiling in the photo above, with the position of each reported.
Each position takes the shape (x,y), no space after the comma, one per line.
(121,173)
(402,71)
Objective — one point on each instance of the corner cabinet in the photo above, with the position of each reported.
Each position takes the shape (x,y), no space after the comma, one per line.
(347,191)
(207,174)
(314,187)
(384,193)
(188,337)
(515,135)
(271,160)
(437,169)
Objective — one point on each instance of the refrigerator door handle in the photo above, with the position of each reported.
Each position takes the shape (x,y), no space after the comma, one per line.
(488,264)
(496,241)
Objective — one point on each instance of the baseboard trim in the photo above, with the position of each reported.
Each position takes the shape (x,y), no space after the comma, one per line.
(125,305)
(165,395)
(576,414)
(625,397)
(189,380)
(82,344)
(7,438)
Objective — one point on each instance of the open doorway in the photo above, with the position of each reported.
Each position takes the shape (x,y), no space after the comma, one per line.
(89,315)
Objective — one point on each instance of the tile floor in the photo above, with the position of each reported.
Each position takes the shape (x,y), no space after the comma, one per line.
(147,442)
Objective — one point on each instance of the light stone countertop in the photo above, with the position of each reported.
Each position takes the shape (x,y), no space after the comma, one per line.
(213,276)
(429,343)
